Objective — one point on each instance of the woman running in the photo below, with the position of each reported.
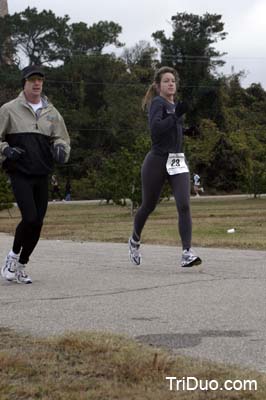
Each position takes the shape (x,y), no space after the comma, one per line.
(166,160)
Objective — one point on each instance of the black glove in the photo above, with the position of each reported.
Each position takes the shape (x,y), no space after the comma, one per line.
(13,153)
(59,153)
(192,131)
(181,108)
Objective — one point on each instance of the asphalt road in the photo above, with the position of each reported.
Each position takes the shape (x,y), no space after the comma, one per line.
(215,311)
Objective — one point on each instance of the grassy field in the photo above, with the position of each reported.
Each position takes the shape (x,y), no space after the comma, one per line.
(97,366)
(211,219)
(94,366)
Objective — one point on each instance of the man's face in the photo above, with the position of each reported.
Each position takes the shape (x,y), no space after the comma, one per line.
(33,86)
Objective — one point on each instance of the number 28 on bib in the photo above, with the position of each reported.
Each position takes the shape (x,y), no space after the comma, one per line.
(176,164)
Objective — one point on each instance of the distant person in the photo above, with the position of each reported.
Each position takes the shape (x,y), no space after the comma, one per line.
(68,190)
(197,184)
(32,134)
(56,195)
(165,161)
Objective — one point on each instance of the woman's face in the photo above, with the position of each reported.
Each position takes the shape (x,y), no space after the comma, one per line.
(167,87)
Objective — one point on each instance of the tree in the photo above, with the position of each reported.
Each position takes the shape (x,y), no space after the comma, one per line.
(229,163)
(99,96)
(191,53)
(119,176)
(7,50)
(142,54)
(92,40)
(256,173)
(199,150)
(41,37)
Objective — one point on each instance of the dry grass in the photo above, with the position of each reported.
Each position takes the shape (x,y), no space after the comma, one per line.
(95,366)
(211,219)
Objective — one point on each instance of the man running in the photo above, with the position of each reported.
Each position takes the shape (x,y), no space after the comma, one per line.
(32,134)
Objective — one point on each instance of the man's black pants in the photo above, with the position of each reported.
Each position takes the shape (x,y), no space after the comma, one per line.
(31,194)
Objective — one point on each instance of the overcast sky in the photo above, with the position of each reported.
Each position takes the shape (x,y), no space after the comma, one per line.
(244,20)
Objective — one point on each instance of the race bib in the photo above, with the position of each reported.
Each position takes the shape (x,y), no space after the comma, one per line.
(176,164)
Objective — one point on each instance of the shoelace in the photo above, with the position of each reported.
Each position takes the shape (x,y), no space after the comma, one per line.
(190,256)
(135,251)
(11,264)
(21,272)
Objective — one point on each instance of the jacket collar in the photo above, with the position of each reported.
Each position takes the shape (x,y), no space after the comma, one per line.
(23,99)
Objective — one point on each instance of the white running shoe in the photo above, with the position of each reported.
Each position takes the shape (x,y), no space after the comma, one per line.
(134,252)
(8,271)
(189,259)
(21,276)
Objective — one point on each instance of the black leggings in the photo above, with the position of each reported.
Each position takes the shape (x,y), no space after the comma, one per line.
(153,175)
(31,194)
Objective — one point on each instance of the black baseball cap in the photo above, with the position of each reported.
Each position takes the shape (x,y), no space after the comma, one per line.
(32,70)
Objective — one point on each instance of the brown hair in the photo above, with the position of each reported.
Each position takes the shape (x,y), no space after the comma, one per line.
(153,89)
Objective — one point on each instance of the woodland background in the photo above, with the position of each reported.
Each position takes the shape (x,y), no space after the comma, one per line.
(99,95)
